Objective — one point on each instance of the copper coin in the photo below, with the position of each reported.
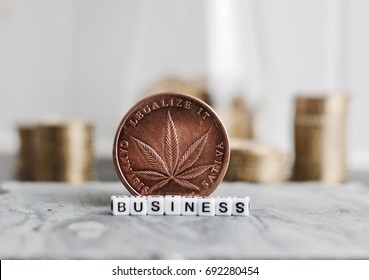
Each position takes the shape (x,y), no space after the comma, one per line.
(171,143)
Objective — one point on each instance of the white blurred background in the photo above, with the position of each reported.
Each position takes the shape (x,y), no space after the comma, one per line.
(94,59)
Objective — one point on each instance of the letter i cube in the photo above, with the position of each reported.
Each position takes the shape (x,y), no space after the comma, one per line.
(206,206)
(190,205)
(172,205)
(138,205)
(241,206)
(120,205)
(155,205)
(223,206)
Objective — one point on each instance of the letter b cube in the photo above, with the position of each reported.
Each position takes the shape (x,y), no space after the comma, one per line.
(120,205)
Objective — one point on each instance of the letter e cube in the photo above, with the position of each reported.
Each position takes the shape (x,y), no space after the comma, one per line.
(206,206)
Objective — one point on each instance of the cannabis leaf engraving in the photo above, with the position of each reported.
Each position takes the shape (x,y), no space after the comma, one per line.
(172,167)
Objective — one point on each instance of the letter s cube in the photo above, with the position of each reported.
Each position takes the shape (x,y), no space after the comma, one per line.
(223,206)
(155,205)
(241,206)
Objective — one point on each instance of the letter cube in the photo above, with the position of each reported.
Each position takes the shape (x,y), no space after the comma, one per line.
(120,204)
(172,205)
(206,206)
(155,205)
(190,205)
(223,206)
(138,205)
(241,206)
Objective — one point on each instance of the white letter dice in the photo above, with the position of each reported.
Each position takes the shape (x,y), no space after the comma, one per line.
(172,205)
(120,204)
(190,205)
(241,206)
(138,205)
(175,205)
(155,205)
(223,206)
(206,206)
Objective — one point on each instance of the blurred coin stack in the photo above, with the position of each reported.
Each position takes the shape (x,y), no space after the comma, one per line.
(26,155)
(196,88)
(255,162)
(63,151)
(320,138)
(240,119)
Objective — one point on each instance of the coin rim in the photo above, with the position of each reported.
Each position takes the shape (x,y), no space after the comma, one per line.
(226,154)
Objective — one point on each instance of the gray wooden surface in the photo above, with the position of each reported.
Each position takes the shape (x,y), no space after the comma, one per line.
(61,221)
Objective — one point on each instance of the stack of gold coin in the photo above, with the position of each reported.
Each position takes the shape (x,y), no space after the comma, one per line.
(240,119)
(26,155)
(255,162)
(202,85)
(64,151)
(175,85)
(320,138)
